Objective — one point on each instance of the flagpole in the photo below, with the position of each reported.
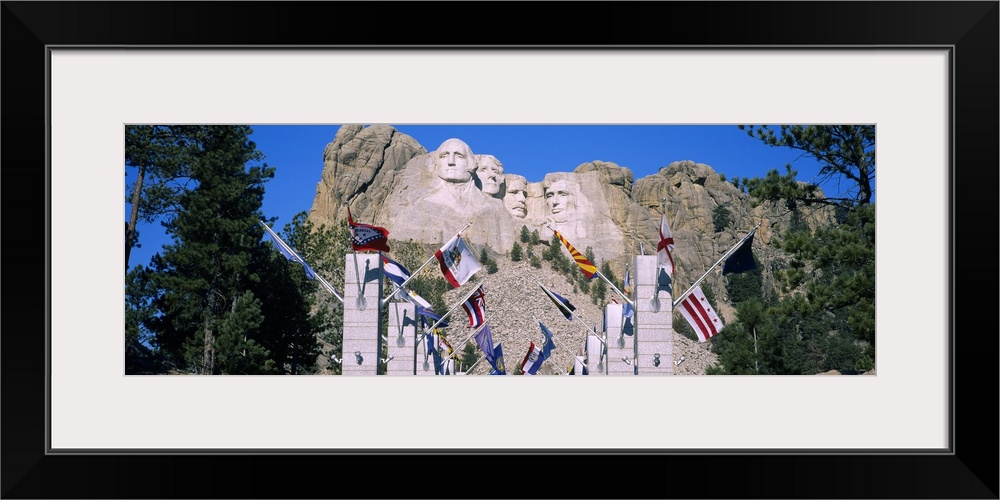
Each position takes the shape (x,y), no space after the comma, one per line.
(280,242)
(445,315)
(361,302)
(469,369)
(467,339)
(573,314)
(553,336)
(613,287)
(414,274)
(724,256)
(598,273)
(330,288)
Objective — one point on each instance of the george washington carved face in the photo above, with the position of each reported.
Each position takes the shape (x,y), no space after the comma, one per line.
(453,161)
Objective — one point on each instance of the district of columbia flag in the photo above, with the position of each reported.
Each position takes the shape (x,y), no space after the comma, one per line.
(665,248)
(457,262)
(367,236)
(699,313)
(588,268)
(475,307)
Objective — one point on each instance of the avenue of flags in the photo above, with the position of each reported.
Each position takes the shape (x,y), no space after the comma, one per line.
(458,264)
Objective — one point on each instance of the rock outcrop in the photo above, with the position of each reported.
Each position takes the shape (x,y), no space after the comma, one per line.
(423,196)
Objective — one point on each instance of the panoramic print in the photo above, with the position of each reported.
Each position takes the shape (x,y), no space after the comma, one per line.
(442,250)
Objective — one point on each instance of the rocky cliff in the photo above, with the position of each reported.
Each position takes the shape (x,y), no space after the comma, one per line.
(426,196)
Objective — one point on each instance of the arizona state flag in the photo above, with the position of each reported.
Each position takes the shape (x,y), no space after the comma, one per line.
(588,268)
(742,259)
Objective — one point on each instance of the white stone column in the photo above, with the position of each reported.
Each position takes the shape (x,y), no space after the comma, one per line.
(654,330)
(594,351)
(620,347)
(362,341)
(402,339)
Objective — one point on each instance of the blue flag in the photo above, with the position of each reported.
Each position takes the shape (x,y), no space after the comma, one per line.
(742,259)
(561,302)
(431,315)
(293,256)
(484,338)
(549,343)
(498,364)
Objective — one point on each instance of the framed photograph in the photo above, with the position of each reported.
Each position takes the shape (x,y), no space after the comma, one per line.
(925,73)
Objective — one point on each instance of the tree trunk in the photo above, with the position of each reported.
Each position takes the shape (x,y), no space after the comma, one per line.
(207,360)
(133,219)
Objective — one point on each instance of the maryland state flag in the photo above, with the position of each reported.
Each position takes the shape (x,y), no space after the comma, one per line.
(588,268)
(367,236)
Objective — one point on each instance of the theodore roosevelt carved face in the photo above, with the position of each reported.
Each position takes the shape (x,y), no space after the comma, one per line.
(515,196)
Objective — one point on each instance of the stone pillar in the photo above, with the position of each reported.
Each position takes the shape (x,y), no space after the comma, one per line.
(621,349)
(401,338)
(654,330)
(425,358)
(594,351)
(362,341)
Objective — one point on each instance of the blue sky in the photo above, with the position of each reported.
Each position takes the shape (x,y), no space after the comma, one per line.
(296,152)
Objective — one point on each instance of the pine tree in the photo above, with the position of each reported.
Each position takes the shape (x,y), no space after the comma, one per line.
(217,310)
(829,284)
(161,155)
(516,254)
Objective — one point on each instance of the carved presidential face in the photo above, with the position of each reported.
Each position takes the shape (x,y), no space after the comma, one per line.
(490,173)
(453,161)
(514,198)
(560,199)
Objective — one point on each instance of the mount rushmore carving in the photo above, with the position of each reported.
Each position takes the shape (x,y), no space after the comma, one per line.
(390,180)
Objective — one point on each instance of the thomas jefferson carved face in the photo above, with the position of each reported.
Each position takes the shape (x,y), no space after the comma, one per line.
(560,199)
(453,161)
(490,173)
(514,198)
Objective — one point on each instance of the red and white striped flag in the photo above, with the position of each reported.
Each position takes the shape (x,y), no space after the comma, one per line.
(475,307)
(696,309)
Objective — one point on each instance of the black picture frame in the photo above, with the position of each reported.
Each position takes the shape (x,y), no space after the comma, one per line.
(969,471)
